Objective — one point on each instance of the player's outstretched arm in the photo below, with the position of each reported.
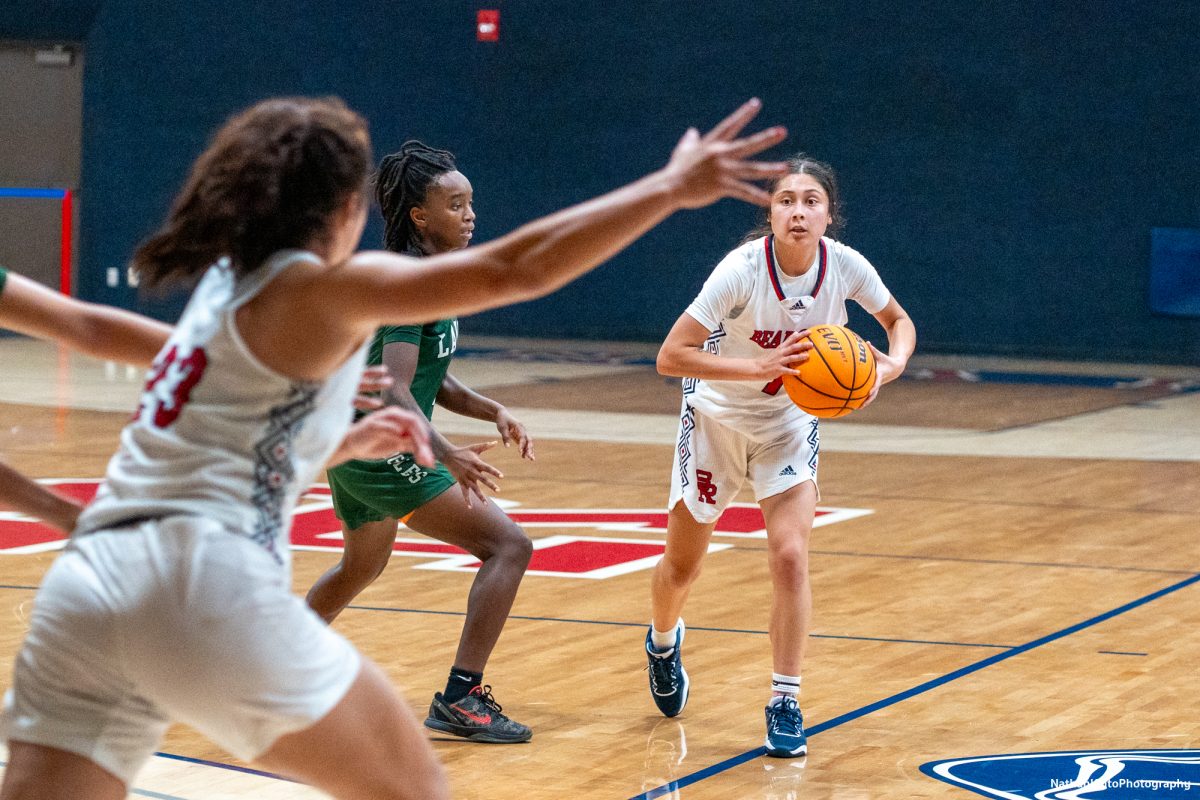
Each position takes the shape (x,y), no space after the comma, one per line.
(536,259)
(28,307)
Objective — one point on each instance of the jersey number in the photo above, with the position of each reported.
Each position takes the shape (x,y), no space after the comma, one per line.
(170,385)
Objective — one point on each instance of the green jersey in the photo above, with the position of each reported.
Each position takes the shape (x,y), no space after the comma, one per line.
(3,278)
(374,490)
(436,343)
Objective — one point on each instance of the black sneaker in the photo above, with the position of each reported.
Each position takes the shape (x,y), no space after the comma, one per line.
(476,717)
(668,679)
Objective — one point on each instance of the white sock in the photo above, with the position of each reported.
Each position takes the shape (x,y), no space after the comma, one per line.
(663,640)
(784,685)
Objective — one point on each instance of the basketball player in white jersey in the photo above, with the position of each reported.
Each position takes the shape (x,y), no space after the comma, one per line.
(173,600)
(731,346)
(118,335)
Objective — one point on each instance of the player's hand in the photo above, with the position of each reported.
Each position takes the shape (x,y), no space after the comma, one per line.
(373,381)
(513,432)
(703,169)
(887,369)
(784,359)
(471,471)
(385,432)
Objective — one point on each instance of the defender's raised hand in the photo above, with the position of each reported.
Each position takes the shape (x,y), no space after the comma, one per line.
(709,167)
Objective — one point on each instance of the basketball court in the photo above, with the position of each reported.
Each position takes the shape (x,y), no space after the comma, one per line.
(1005,575)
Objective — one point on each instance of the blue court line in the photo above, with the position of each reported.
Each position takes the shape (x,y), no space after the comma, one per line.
(642,625)
(155,795)
(871,708)
(690,627)
(231,767)
(52,194)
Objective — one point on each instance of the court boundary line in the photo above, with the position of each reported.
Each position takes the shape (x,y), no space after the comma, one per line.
(919,689)
(233,767)
(615,623)
(528,618)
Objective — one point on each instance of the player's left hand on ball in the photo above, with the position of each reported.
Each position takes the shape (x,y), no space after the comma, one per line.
(887,369)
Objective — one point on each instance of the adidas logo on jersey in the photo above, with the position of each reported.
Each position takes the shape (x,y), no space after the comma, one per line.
(787,470)
(798,306)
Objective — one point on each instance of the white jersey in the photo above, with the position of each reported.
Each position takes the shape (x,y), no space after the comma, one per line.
(218,434)
(749,306)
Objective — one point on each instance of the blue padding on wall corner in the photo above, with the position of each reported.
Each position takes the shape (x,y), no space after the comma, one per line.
(1175,271)
(54,194)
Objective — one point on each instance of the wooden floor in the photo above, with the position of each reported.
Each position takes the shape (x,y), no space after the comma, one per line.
(1027,580)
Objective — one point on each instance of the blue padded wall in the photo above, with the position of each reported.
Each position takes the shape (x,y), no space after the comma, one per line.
(1002,164)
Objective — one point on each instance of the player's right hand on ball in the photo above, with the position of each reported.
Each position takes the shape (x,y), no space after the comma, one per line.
(783,360)
(703,169)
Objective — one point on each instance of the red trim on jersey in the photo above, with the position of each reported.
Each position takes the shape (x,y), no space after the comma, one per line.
(822,263)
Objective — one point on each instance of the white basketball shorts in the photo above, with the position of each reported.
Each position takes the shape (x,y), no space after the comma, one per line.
(175,619)
(713,461)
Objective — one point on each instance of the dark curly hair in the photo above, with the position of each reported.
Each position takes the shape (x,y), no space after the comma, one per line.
(271,179)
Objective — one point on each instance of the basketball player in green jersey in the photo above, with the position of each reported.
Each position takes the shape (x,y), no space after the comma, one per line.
(427,206)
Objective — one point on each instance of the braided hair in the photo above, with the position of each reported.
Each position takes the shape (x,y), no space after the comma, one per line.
(402,183)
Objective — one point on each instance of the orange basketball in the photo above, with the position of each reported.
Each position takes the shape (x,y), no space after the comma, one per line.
(838,376)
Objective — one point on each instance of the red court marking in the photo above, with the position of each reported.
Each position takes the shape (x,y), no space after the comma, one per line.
(736,519)
(14,534)
(315,527)
(585,556)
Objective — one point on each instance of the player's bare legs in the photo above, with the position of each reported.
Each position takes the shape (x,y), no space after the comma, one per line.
(487,533)
(466,707)
(35,772)
(687,543)
(365,553)
(369,747)
(789,517)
